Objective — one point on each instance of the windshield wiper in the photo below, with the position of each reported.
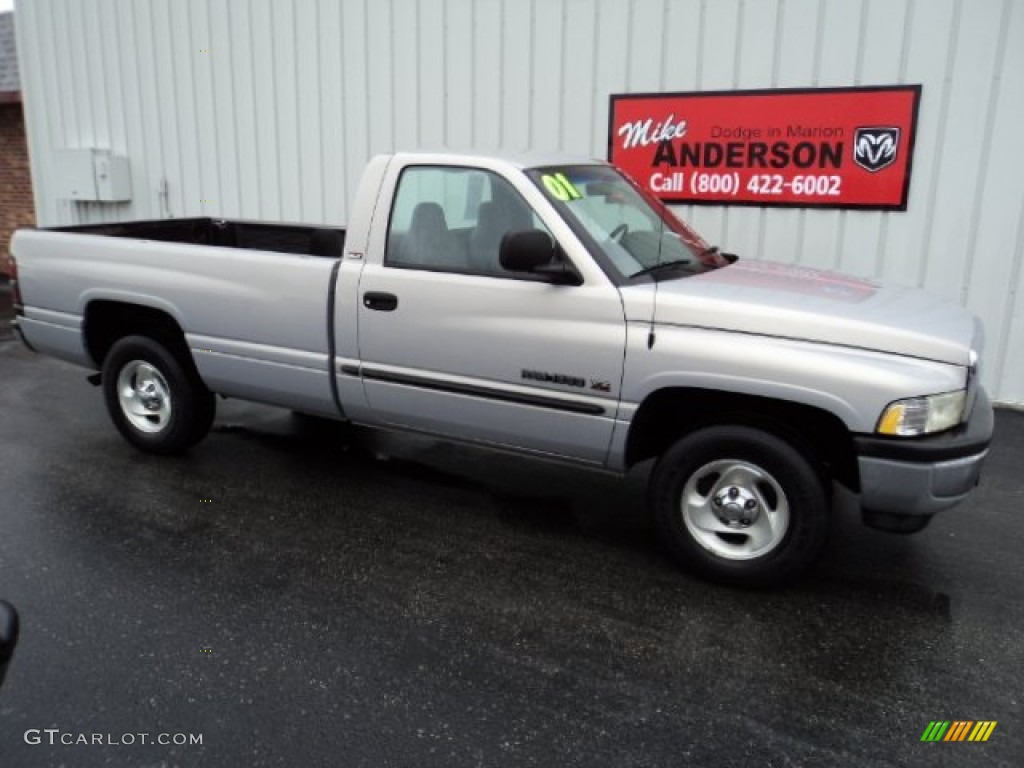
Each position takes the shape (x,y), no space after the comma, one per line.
(670,264)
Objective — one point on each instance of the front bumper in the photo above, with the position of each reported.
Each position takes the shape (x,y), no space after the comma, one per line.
(922,476)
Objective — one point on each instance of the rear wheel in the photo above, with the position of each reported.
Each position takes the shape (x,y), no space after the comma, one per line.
(740,505)
(156,400)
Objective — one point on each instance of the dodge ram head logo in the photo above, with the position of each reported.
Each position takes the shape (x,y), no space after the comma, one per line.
(875,148)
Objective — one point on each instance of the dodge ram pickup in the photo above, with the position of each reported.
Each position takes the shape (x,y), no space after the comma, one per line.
(542,305)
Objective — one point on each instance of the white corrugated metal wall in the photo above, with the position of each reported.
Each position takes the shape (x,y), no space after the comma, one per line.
(260,109)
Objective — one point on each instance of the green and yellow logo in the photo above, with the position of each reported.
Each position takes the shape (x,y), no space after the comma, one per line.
(958,730)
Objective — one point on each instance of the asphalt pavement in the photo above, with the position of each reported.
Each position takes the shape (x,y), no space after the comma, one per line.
(305,594)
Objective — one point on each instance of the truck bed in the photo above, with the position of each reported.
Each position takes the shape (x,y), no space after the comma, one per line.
(225,233)
(253,299)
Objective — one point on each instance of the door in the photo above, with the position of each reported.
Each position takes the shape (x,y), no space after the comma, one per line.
(450,343)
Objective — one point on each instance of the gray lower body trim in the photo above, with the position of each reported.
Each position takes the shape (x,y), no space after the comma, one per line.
(908,488)
(62,340)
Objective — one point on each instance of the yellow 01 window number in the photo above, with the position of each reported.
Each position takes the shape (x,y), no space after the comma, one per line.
(560,187)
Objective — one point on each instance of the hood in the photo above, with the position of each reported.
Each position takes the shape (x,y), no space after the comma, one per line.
(797,302)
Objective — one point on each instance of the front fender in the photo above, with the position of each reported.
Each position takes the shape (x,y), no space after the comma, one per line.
(855,385)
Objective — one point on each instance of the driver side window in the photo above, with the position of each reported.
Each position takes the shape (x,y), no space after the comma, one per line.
(453,219)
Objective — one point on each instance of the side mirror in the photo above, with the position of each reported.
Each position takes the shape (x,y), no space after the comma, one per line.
(525,251)
(533,251)
(8,635)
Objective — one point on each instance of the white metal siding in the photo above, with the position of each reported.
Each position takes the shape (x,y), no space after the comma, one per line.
(268,109)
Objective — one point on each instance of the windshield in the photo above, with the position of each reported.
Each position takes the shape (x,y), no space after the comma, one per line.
(633,230)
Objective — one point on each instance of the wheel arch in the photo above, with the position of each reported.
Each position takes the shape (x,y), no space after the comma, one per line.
(107,320)
(668,414)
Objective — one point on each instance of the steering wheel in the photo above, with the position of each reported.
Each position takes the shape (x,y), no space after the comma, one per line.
(619,232)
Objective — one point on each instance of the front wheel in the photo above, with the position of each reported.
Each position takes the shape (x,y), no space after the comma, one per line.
(740,505)
(156,401)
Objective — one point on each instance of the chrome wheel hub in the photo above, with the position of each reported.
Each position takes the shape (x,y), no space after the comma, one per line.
(736,507)
(144,396)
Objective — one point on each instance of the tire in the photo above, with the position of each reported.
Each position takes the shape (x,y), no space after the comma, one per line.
(740,506)
(155,398)
(206,412)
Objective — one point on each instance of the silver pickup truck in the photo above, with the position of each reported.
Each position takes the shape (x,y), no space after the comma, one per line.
(547,306)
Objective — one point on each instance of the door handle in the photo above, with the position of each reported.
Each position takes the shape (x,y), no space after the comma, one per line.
(382,302)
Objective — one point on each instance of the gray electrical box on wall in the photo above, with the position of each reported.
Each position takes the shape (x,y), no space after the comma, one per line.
(92,175)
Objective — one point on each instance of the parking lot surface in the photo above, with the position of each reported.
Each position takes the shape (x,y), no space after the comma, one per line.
(307,594)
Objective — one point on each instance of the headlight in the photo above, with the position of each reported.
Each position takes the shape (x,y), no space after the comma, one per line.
(923,415)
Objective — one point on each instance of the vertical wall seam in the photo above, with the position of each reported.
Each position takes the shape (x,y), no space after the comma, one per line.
(664,45)
(190,44)
(342,94)
(858,76)
(278,198)
(366,74)
(471,92)
(98,18)
(908,23)
(560,130)
(213,117)
(55,69)
(159,123)
(819,34)
(737,64)
(66,48)
(862,29)
(780,11)
(562,96)
(698,73)
(737,51)
(1010,303)
(419,85)
(474,73)
(233,83)
(986,149)
(501,75)
(144,158)
(320,160)
(594,46)
(701,28)
(940,142)
(901,77)
(444,73)
(83,88)
(298,112)
(255,109)
(532,74)
(630,11)
(26,24)
(177,115)
(392,48)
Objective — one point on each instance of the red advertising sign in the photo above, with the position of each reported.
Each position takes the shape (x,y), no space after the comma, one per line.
(807,148)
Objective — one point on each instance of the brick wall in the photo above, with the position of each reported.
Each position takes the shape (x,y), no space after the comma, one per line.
(16,209)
